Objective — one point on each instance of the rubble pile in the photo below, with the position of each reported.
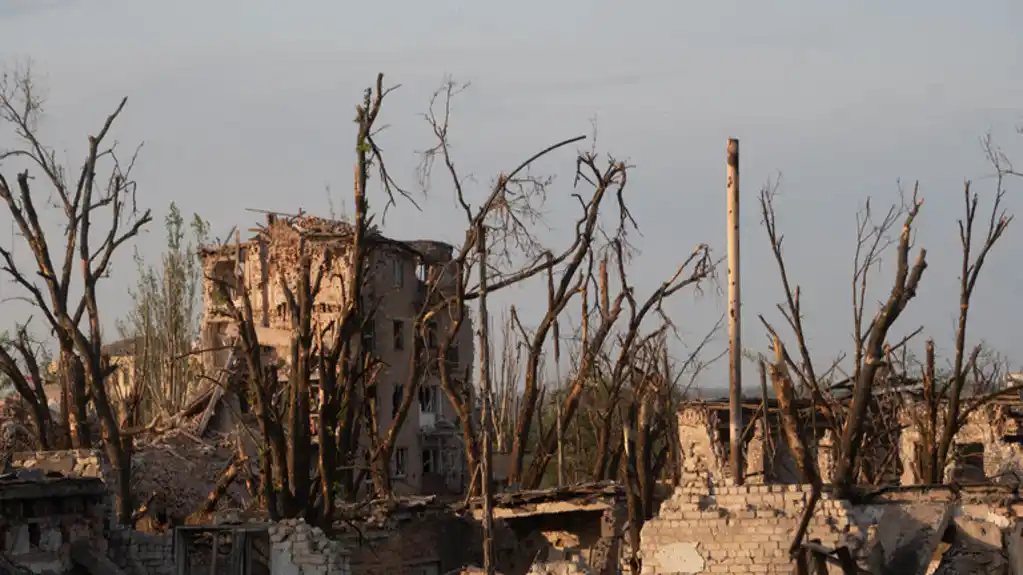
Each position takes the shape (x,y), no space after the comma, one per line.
(178,470)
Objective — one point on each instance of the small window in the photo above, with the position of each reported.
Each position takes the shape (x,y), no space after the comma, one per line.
(398,327)
(451,355)
(368,407)
(400,461)
(369,336)
(431,335)
(431,463)
(399,392)
(970,460)
(398,272)
(423,272)
(367,411)
(428,396)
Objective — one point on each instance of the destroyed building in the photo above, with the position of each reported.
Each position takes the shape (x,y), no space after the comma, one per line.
(402,276)
(712,525)
(43,515)
(987,447)
(579,527)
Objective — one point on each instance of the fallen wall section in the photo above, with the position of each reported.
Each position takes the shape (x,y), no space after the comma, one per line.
(300,549)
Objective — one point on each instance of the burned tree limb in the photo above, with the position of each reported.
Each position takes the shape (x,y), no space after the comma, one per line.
(907,279)
(80,202)
(790,417)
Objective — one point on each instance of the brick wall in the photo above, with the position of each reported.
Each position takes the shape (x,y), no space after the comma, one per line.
(734,529)
(299,549)
(748,529)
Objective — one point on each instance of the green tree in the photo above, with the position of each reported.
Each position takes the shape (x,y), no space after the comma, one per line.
(164,322)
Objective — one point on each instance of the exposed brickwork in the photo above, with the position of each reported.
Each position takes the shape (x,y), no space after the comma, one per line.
(299,549)
(734,529)
(748,529)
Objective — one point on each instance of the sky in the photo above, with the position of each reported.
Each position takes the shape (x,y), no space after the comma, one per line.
(250,105)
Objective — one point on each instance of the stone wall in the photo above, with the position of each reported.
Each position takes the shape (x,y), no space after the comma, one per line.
(749,529)
(299,549)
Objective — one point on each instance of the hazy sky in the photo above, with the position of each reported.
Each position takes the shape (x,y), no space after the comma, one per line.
(249,105)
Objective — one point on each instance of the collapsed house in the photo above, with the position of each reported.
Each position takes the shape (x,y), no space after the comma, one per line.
(576,529)
(987,446)
(578,526)
(46,518)
(712,525)
(402,278)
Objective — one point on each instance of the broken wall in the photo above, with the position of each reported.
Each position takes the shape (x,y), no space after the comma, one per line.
(86,463)
(538,530)
(749,529)
(300,549)
(588,539)
(428,542)
(986,428)
(704,449)
(41,518)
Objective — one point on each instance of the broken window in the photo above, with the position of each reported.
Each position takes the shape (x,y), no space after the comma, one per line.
(368,407)
(225,274)
(398,327)
(399,392)
(431,463)
(368,336)
(431,335)
(428,396)
(398,272)
(400,461)
(451,356)
(970,462)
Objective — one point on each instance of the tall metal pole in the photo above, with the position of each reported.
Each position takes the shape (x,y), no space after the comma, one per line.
(484,347)
(734,316)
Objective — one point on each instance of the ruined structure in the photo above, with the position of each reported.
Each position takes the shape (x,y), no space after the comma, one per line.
(987,447)
(42,515)
(579,526)
(402,276)
(710,525)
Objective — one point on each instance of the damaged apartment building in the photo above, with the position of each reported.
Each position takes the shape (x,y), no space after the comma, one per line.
(429,454)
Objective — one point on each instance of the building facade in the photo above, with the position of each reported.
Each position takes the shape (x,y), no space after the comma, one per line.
(402,279)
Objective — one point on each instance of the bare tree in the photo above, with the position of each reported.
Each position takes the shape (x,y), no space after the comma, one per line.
(868,447)
(870,340)
(505,398)
(81,202)
(19,363)
(505,213)
(946,398)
